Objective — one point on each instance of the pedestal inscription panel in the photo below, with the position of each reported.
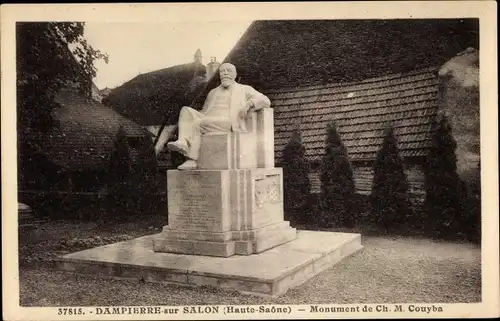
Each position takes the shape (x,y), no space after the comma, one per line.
(198,201)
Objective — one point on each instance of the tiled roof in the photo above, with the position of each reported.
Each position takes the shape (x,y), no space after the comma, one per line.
(86,133)
(361,110)
(151,98)
(280,54)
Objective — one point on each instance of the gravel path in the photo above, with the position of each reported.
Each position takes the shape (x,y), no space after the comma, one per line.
(387,270)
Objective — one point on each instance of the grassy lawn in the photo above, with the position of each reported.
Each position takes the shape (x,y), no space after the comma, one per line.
(389,269)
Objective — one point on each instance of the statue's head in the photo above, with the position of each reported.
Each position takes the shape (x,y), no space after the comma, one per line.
(227,74)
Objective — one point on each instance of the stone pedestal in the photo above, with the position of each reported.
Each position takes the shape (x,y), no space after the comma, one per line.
(233,203)
(224,212)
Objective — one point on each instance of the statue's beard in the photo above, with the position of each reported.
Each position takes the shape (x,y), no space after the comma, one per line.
(226,82)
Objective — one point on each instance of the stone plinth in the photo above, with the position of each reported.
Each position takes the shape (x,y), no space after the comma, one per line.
(224,212)
(270,273)
(241,150)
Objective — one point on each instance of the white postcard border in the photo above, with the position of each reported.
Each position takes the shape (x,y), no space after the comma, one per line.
(484,10)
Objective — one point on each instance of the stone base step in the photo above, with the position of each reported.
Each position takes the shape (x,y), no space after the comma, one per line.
(243,242)
(193,247)
(270,273)
(266,242)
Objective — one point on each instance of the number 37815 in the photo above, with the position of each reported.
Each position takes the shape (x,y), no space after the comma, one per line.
(69,311)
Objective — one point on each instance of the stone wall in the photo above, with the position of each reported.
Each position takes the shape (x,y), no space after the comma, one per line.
(314,179)
(459,101)
(416,180)
(363,178)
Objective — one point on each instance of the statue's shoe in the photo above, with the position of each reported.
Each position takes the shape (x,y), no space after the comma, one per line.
(188,165)
(178,146)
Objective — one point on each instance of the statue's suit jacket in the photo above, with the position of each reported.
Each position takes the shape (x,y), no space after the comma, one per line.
(240,95)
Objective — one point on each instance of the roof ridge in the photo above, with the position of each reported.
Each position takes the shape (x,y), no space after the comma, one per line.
(366,81)
(158,71)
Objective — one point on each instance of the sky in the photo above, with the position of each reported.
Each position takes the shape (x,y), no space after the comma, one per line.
(137,48)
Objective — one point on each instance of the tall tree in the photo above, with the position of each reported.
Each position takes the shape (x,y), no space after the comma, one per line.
(45,64)
(296,178)
(443,186)
(389,197)
(337,182)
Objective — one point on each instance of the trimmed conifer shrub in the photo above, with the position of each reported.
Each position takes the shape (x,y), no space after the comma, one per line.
(337,182)
(147,182)
(443,187)
(389,197)
(296,184)
(119,173)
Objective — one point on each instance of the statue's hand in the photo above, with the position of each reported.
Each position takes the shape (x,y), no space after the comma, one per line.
(243,115)
(244,111)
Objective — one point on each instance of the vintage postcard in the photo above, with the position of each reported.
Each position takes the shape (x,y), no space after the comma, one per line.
(250,160)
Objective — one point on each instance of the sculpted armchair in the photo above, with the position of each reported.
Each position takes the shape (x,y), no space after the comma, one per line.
(252,147)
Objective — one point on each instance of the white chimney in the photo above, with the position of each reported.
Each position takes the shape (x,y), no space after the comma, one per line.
(211,68)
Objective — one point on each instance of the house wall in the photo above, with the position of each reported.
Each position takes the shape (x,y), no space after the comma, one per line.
(88,181)
(35,172)
(314,179)
(363,179)
(416,180)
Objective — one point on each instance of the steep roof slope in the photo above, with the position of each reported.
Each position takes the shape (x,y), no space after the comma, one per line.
(86,133)
(150,98)
(296,53)
(361,110)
